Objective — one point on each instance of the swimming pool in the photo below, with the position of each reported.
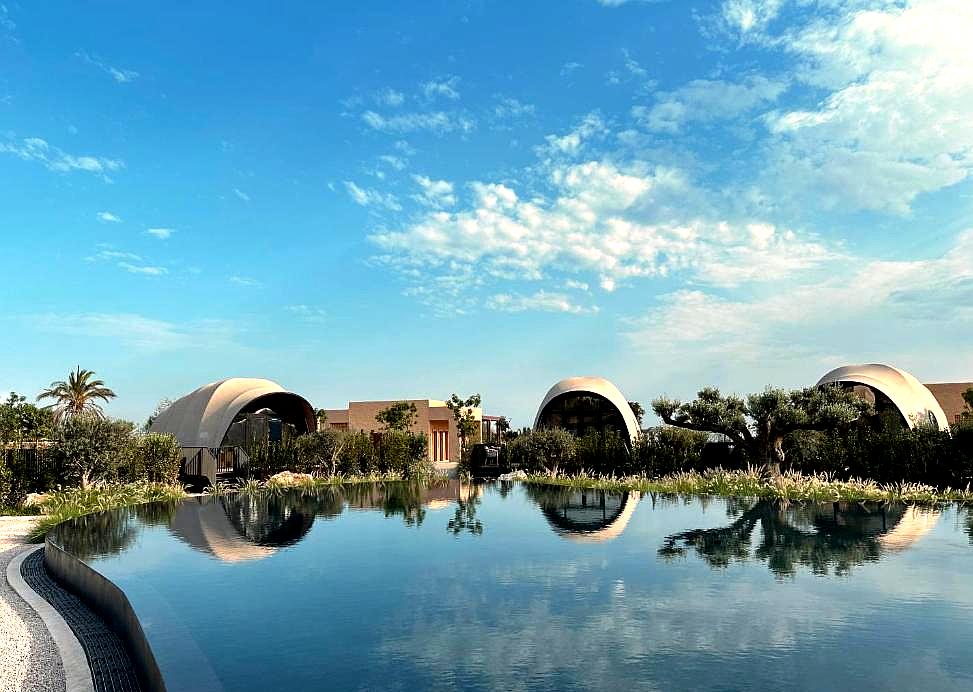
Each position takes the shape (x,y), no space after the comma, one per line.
(509,586)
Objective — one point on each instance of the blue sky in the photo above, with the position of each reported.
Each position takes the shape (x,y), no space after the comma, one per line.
(374,200)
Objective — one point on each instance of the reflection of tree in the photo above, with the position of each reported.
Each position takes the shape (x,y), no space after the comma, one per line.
(464,519)
(835,536)
(402,498)
(110,532)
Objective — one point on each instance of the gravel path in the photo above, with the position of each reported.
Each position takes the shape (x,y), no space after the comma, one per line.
(28,659)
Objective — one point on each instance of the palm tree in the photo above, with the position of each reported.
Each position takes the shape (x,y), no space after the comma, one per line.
(77,396)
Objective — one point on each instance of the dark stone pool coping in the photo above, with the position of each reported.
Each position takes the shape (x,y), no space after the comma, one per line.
(107,627)
(111,667)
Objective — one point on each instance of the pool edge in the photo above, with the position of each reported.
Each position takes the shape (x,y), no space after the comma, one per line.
(111,603)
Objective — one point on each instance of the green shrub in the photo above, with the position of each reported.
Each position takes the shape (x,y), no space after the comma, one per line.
(667,449)
(93,449)
(601,452)
(154,457)
(546,450)
(320,451)
(358,455)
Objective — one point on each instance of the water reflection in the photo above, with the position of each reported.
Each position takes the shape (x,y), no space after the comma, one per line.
(819,536)
(585,515)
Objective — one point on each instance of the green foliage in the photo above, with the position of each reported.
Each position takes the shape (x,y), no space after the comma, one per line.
(968,398)
(547,450)
(62,505)
(93,449)
(267,458)
(23,422)
(757,482)
(759,425)
(399,416)
(667,449)
(154,457)
(320,452)
(466,424)
(78,396)
(163,404)
(638,411)
(601,452)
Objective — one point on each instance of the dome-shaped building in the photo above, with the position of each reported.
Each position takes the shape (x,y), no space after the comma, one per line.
(213,423)
(890,388)
(580,404)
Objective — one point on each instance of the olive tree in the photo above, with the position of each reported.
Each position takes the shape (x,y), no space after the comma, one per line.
(759,423)
(399,416)
(466,424)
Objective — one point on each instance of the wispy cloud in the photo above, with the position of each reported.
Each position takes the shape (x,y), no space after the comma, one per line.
(120,75)
(129,261)
(55,159)
(108,217)
(138,332)
(369,197)
(307,313)
(437,194)
(245,281)
(160,233)
(390,97)
(541,300)
(568,68)
(437,122)
(241,195)
(441,88)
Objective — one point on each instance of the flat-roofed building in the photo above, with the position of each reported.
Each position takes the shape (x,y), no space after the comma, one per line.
(433,418)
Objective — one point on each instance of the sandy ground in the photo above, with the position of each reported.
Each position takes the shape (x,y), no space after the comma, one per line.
(28,658)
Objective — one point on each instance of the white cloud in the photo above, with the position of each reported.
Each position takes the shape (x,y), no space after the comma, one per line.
(160,233)
(539,301)
(434,193)
(897,120)
(120,75)
(704,100)
(390,97)
(241,195)
(55,159)
(437,122)
(369,197)
(108,217)
(568,68)
(590,127)
(395,162)
(746,16)
(441,88)
(602,221)
(857,311)
(508,107)
(129,261)
(307,313)
(145,269)
(137,331)
(245,281)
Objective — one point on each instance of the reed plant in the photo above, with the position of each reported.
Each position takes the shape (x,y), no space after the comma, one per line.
(759,482)
(63,505)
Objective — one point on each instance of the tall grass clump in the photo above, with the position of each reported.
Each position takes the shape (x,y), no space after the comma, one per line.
(62,505)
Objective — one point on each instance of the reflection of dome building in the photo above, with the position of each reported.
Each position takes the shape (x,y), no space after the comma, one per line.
(580,404)
(589,516)
(204,525)
(235,528)
(891,389)
(915,523)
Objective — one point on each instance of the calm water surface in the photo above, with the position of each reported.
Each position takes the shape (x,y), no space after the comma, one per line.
(507,587)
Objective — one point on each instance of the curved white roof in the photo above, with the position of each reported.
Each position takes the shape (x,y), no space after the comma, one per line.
(913,399)
(201,419)
(593,385)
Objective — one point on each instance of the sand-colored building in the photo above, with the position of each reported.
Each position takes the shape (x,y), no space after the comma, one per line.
(433,418)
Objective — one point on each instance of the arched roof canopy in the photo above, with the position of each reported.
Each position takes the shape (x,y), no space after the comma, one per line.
(201,418)
(914,401)
(597,387)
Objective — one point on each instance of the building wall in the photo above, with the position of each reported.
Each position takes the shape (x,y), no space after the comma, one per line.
(950,397)
(431,415)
